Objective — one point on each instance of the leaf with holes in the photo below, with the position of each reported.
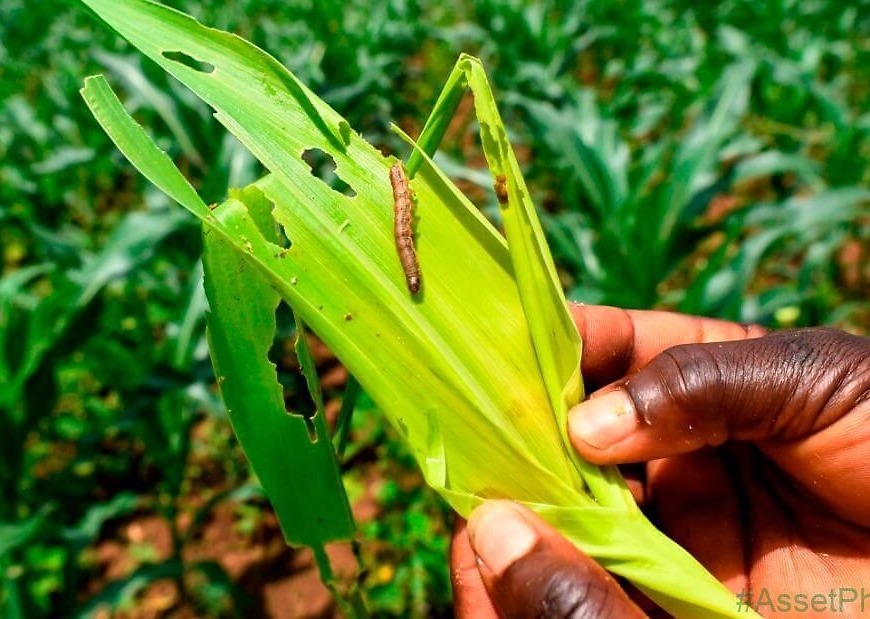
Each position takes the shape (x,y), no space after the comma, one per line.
(477,369)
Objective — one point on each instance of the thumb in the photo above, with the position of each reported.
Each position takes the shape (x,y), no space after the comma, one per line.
(783,386)
(529,570)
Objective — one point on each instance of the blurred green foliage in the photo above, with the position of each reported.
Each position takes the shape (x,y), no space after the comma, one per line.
(709,157)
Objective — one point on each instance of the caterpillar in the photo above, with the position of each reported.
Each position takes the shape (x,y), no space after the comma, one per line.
(500,187)
(402,223)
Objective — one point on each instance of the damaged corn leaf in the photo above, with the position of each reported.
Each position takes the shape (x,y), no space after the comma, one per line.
(476,370)
(312,511)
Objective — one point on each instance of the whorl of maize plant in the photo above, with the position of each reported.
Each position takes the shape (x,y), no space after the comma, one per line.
(476,371)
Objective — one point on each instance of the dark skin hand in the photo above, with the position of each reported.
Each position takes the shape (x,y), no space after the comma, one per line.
(755,457)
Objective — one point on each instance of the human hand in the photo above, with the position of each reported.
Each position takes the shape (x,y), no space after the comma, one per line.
(757,461)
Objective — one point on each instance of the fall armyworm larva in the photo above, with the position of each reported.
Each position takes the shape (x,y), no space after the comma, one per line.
(402,227)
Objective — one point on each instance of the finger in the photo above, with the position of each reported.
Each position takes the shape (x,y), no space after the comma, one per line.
(635,478)
(532,571)
(697,503)
(617,342)
(470,598)
(784,386)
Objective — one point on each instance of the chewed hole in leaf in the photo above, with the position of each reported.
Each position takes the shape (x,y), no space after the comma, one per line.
(189,61)
(281,238)
(276,234)
(323,167)
(290,377)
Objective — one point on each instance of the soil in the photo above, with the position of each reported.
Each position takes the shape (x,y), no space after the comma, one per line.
(275,580)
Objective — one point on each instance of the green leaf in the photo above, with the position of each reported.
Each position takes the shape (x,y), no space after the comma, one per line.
(312,509)
(18,534)
(88,527)
(554,336)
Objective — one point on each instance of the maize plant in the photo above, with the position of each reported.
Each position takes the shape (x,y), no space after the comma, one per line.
(477,369)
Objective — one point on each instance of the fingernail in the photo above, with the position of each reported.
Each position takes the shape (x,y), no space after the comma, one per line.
(603,421)
(499,534)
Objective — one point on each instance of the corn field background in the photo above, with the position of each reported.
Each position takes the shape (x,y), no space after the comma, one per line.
(710,158)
